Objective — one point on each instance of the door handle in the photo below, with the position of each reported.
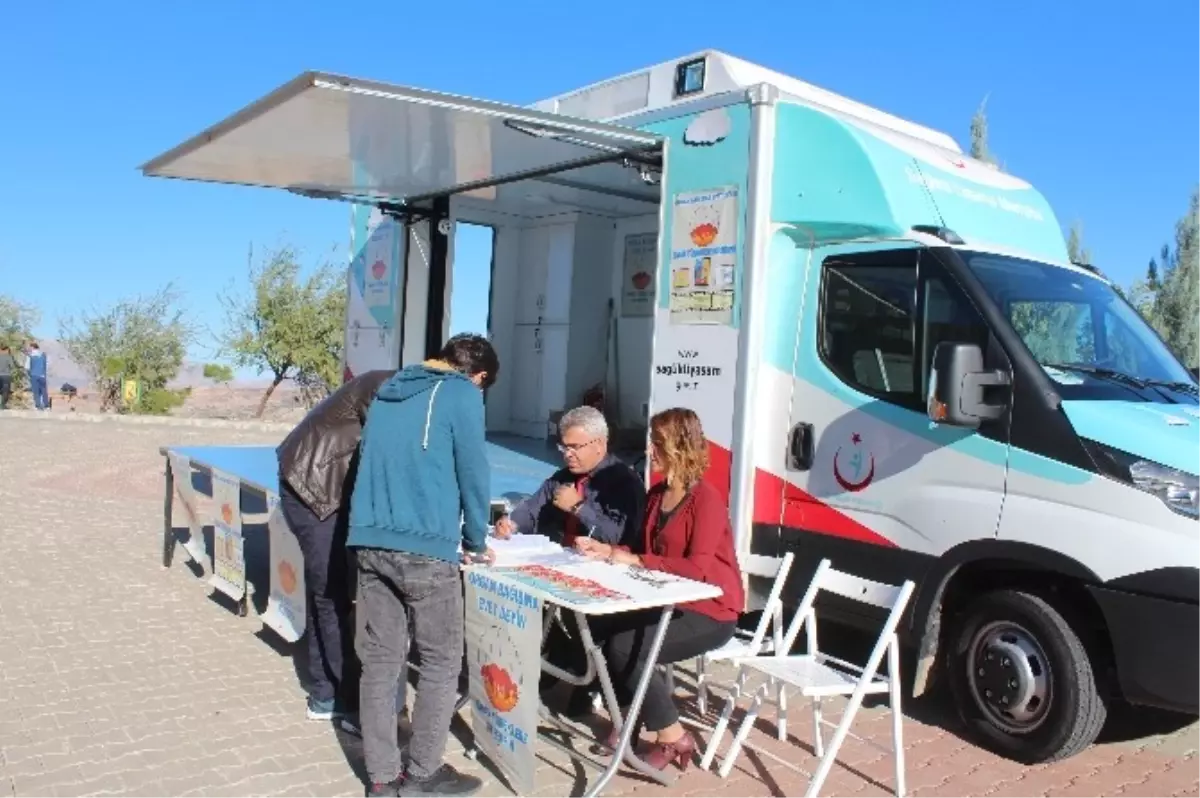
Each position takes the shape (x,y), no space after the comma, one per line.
(800,447)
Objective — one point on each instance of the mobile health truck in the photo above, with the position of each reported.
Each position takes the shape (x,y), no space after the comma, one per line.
(895,363)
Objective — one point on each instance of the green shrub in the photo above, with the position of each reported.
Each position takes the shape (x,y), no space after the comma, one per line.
(160,401)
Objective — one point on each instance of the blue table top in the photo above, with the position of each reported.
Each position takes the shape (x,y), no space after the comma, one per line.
(518,465)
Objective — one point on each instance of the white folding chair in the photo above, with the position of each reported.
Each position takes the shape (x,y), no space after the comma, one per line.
(819,676)
(742,646)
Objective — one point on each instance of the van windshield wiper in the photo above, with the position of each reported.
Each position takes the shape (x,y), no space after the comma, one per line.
(1175,385)
(1100,371)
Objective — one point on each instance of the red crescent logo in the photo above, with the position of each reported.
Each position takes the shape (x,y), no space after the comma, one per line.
(852,487)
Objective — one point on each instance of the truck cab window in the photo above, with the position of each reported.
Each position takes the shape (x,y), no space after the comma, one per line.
(883,315)
(867,330)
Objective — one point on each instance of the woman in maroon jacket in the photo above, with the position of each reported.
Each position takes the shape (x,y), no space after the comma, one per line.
(686,532)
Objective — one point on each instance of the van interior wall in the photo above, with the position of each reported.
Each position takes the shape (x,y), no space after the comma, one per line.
(555,315)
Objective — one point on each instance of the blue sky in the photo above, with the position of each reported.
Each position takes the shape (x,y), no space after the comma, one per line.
(1094,102)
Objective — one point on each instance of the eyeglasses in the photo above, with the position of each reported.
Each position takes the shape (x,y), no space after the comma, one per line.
(575,448)
(649,577)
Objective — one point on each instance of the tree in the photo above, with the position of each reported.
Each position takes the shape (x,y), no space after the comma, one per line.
(17,321)
(218,372)
(1176,312)
(1076,250)
(979,135)
(1169,296)
(288,326)
(143,338)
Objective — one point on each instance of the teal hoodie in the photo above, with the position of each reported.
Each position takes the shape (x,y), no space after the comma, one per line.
(423,482)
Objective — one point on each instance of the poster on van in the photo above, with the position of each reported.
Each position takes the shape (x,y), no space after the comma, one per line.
(704,242)
(637,292)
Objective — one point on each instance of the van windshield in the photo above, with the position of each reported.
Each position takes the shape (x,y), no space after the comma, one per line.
(1078,327)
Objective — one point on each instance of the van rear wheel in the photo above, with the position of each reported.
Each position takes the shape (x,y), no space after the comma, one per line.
(1022,679)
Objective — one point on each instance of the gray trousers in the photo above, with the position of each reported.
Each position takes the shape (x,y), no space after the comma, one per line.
(397,591)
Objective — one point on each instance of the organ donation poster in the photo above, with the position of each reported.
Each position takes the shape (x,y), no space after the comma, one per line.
(504,660)
(285,602)
(704,242)
(181,473)
(229,561)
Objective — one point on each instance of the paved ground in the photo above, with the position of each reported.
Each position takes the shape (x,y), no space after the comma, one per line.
(118,676)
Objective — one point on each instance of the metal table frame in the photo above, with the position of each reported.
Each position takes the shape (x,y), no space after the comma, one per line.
(598,669)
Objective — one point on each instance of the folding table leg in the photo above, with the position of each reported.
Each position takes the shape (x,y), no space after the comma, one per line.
(168,551)
(622,752)
(702,685)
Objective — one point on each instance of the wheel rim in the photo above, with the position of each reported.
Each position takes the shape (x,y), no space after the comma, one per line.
(1009,675)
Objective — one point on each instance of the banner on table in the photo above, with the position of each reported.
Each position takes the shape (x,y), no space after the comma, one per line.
(504,657)
(285,603)
(181,475)
(229,560)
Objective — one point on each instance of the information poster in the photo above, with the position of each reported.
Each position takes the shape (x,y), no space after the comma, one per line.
(637,290)
(504,642)
(380,256)
(229,561)
(285,603)
(704,243)
(181,471)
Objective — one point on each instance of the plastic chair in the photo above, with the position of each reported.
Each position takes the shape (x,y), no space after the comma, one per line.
(819,676)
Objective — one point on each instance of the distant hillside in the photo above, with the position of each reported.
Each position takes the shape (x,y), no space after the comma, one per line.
(191,375)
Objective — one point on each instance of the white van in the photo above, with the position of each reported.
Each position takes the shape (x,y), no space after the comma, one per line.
(895,363)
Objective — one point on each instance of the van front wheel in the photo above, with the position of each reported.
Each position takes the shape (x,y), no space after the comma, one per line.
(1022,679)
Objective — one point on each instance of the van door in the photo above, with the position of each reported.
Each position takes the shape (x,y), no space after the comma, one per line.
(871,482)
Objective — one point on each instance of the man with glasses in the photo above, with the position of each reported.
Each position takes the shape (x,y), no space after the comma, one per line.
(595,496)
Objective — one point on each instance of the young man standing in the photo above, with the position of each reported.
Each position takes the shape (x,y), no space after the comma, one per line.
(6,373)
(423,486)
(315,480)
(36,368)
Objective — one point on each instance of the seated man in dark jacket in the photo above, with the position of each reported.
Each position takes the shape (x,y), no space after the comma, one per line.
(315,464)
(595,496)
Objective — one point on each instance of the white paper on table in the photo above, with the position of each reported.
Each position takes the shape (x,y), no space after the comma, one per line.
(229,560)
(286,601)
(181,472)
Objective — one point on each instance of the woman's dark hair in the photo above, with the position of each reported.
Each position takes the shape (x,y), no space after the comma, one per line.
(472,354)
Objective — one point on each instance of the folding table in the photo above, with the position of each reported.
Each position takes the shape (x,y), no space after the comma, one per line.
(638,589)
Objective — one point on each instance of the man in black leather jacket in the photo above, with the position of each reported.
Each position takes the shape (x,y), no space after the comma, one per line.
(316,474)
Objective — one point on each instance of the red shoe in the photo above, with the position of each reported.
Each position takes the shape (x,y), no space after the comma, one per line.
(680,752)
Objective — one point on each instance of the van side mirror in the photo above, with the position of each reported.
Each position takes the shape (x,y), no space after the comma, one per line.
(957,386)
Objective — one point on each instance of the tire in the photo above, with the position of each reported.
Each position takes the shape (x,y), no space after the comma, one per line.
(1022,680)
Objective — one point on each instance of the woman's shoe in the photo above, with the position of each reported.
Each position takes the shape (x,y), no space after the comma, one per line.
(680,752)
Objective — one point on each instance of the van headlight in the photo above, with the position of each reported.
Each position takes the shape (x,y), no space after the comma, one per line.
(1177,488)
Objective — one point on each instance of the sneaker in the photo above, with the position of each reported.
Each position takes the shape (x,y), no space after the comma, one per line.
(322,710)
(349,724)
(445,781)
(391,788)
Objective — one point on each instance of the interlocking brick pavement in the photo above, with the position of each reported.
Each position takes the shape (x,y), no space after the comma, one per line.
(120,677)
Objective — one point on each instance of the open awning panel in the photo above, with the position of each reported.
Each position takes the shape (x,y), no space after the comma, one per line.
(330,135)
